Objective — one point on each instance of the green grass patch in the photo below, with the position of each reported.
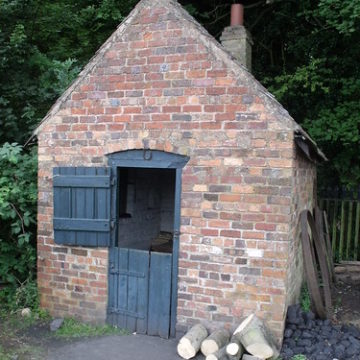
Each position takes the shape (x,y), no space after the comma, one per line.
(22,351)
(305,300)
(299,357)
(15,322)
(73,328)
(4,355)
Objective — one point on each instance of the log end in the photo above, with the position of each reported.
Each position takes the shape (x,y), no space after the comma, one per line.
(232,348)
(185,351)
(211,357)
(208,347)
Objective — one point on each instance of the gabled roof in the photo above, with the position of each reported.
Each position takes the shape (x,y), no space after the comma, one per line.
(272,105)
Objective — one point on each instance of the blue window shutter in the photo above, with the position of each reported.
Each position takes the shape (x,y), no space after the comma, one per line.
(82,206)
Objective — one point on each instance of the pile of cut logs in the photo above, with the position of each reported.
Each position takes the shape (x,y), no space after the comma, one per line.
(250,341)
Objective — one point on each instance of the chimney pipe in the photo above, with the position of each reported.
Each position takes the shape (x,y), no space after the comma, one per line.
(237,15)
(236,39)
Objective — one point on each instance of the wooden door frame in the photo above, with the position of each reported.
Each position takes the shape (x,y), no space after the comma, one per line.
(153,159)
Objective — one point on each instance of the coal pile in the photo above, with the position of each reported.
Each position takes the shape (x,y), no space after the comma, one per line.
(318,339)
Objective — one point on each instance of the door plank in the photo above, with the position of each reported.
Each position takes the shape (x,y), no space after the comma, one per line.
(138,288)
(122,291)
(159,294)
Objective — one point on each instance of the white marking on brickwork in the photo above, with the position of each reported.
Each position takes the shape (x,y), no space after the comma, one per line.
(216,250)
(256,253)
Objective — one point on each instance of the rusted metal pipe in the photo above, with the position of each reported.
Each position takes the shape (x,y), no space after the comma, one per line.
(237,14)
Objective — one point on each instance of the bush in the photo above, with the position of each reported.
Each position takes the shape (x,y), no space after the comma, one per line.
(18,195)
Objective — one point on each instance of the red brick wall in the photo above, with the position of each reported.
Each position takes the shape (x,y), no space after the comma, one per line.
(160,85)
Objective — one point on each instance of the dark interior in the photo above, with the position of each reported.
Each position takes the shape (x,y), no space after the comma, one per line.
(146,208)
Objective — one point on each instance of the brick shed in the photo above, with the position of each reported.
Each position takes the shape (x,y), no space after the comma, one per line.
(170,184)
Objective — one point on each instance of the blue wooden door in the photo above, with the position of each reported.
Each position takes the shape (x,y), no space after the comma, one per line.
(140,291)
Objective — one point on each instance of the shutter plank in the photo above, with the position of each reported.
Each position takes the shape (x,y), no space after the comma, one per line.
(70,235)
(61,200)
(83,181)
(79,207)
(102,226)
(91,237)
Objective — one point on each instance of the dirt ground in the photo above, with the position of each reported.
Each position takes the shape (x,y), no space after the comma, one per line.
(19,341)
(346,302)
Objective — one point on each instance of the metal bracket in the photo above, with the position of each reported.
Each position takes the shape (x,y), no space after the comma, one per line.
(127,273)
(126,312)
(147,155)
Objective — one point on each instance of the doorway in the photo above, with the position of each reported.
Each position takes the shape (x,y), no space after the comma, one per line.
(144,253)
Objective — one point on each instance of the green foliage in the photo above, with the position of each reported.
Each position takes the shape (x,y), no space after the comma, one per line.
(26,295)
(4,355)
(299,357)
(72,328)
(342,15)
(18,194)
(305,301)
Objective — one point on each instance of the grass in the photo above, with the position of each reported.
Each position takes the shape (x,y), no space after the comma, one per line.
(22,351)
(73,328)
(4,355)
(299,357)
(14,322)
(305,301)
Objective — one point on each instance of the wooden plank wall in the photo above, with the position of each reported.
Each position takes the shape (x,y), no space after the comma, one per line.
(343,213)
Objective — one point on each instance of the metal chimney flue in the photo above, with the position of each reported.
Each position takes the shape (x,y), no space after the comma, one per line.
(237,15)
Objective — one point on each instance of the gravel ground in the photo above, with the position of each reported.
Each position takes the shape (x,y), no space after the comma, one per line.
(318,339)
